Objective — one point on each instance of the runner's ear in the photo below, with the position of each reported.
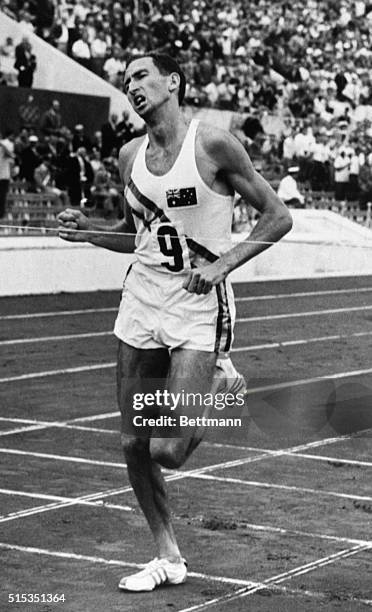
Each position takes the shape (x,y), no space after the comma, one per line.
(174,81)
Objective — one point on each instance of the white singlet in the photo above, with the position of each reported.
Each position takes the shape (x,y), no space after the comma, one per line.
(177,214)
(178,219)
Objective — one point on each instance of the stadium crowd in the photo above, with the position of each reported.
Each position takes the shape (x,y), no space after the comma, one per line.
(49,158)
(300,55)
(307,62)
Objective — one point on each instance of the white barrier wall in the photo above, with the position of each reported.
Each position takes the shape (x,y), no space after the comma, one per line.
(34,265)
(58,72)
(322,243)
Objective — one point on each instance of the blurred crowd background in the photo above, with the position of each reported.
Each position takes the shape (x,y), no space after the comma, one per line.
(297,75)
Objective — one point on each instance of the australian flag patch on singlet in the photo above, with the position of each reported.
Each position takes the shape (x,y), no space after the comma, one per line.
(177,198)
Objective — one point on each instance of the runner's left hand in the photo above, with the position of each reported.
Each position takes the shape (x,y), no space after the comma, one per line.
(201,280)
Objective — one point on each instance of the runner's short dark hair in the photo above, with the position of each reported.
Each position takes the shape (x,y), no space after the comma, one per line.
(166,65)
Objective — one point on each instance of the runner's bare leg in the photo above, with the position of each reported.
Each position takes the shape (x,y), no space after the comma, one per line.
(143,465)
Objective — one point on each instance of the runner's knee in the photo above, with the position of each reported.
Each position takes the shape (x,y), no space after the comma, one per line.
(132,446)
(169,453)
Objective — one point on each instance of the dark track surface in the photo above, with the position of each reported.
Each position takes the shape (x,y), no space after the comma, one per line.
(270,513)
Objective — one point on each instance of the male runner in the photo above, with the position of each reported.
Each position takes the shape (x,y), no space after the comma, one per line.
(177,309)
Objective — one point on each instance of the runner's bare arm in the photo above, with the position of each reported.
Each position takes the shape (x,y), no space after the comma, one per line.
(74,220)
(232,161)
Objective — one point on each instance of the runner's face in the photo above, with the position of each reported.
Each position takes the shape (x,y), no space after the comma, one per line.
(145,86)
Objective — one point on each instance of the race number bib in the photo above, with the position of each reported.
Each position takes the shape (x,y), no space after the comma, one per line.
(170,242)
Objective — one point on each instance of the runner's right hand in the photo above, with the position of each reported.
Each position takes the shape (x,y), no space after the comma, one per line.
(71,219)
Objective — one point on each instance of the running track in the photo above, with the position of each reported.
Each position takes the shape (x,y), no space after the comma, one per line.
(280,507)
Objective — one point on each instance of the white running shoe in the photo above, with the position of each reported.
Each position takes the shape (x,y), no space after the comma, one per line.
(155,573)
(227,379)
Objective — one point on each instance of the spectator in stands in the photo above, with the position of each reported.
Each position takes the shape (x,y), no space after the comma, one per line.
(75,28)
(25,63)
(109,135)
(97,140)
(342,172)
(81,9)
(288,190)
(289,148)
(51,121)
(114,67)
(29,114)
(29,160)
(104,195)
(47,147)
(7,60)
(44,182)
(365,183)
(44,17)
(81,49)
(98,49)
(59,34)
(8,8)
(80,139)
(355,164)
(6,163)
(125,129)
(211,91)
(21,141)
(321,156)
(96,161)
(26,21)
(90,26)
(304,141)
(79,177)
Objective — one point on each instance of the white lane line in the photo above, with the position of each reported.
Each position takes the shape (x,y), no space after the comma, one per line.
(270,452)
(35,425)
(251,526)
(332,459)
(292,383)
(14,451)
(55,338)
(60,498)
(87,368)
(278,296)
(101,495)
(307,381)
(255,347)
(305,534)
(271,345)
(56,313)
(276,580)
(310,313)
(117,562)
(183,474)
(274,453)
(278,453)
(271,485)
(95,417)
(169,478)
(113,562)
(324,458)
(69,423)
(18,430)
(245,525)
(50,424)
(87,335)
